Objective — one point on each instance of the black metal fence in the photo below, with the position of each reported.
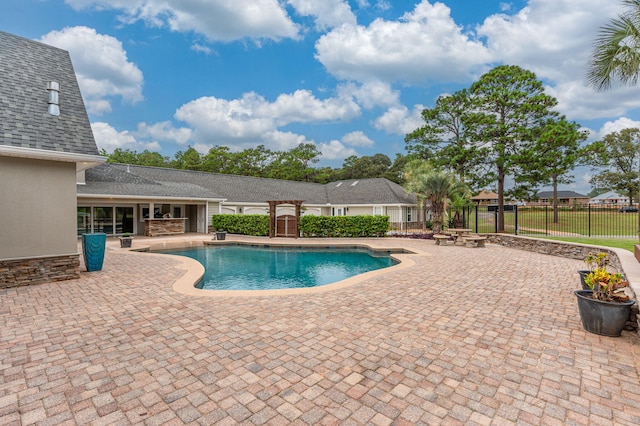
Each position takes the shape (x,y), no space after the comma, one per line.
(575,220)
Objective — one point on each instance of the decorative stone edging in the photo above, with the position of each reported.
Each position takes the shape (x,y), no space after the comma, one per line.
(571,251)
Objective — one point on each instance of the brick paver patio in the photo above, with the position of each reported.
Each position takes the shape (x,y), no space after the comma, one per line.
(465,336)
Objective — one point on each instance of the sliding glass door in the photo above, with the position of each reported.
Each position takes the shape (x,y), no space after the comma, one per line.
(108,219)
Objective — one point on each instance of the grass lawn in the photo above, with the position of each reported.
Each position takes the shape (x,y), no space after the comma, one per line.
(623,243)
(532,221)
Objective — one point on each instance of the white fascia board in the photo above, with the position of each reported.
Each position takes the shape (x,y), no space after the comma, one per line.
(83,161)
(114,198)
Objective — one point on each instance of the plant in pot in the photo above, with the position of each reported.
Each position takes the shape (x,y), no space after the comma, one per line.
(605,307)
(593,261)
(125,240)
(219,234)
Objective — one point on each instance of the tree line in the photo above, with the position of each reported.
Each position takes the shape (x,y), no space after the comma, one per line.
(296,164)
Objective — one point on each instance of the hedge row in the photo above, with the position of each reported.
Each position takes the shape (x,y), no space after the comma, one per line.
(344,226)
(249,224)
(310,226)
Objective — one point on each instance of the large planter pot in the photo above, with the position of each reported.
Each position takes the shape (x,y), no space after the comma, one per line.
(600,317)
(93,246)
(221,235)
(125,242)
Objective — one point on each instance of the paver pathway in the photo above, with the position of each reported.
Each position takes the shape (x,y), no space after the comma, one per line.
(466,336)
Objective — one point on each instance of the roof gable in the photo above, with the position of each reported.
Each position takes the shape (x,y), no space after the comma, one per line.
(26,67)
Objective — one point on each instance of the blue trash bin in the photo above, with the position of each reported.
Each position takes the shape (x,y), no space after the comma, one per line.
(93,246)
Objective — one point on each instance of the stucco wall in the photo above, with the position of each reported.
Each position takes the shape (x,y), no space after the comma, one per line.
(38,214)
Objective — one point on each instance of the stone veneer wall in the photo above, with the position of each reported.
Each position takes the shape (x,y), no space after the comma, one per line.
(554,248)
(563,249)
(21,272)
(155,227)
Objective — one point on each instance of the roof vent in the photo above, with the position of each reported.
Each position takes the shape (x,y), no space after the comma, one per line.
(53,87)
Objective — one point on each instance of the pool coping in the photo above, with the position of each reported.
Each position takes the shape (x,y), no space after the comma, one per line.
(194,270)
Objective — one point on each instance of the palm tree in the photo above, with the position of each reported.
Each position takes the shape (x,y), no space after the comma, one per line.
(616,53)
(434,186)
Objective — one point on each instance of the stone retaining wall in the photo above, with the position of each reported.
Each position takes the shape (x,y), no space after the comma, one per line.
(569,250)
(554,248)
(21,272)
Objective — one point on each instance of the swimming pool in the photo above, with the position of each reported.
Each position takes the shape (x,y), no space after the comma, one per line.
(236,267)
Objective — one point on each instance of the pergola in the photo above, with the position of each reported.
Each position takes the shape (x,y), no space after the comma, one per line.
(289,223)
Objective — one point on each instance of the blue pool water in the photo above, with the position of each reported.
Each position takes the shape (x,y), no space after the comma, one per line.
(269,268)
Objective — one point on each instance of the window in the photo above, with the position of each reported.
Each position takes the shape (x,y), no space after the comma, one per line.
(103,219)
(409,214)
(84,220)
(339,211)
(377,210)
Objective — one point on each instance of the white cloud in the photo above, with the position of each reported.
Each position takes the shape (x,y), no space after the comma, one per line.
(335,150)
(108,138)
(357,138)
(101,66)
(250,117)
(617,125)
(302,106)
(371,94)
(221,20)
(424,45)
(284,141)
(579,102)
(164,131)
(399,120)
(196,47)
(327,13)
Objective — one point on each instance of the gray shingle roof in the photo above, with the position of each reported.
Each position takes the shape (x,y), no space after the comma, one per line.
(561,194)
(26,66)
(123,179)
(368,191)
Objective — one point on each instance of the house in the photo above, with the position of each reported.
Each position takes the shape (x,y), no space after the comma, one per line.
(485,197)
(45,140)
(565,198)
(609,198)
(124,198)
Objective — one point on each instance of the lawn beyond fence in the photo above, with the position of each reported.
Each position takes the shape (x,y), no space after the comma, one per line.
(575,221)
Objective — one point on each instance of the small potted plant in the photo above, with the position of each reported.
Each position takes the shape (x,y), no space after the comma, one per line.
(218,234)
(125,240)
(605,307)
(593,261)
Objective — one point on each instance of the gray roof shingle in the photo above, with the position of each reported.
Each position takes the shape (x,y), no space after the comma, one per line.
(561,194)
(124,179)
(26,66)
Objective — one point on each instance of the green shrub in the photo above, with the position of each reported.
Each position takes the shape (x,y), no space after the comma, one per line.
(344,226)
(250,224)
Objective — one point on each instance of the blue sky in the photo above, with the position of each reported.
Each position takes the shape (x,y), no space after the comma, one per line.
(349,76)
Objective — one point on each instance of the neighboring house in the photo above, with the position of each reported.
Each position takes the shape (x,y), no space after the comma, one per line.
(485,197)
(45,140)
(121,198)
(566,198)
(610,198)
